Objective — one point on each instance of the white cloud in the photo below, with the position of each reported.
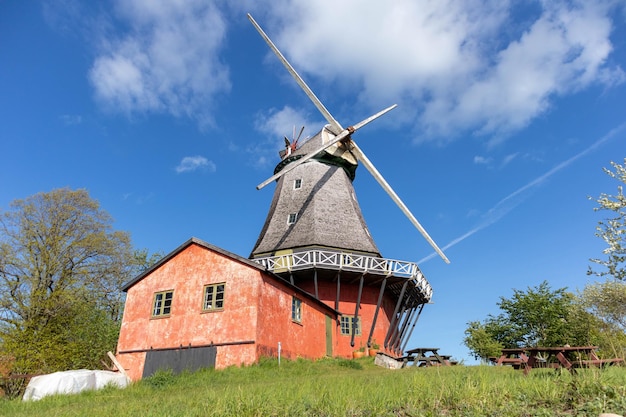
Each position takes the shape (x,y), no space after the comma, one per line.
(71,119)
(275,125)
(485,66)
(561,52)
(166,61)
(481,160)
(508,158)
(194,163)
(453,66)
(489,161)
(279,123)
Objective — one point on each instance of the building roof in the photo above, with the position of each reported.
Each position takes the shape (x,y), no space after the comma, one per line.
(232,256)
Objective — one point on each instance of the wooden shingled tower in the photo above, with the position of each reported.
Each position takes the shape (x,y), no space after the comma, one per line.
(314,206)
(315,236)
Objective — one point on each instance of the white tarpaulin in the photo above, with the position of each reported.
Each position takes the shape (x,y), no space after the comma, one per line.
(72,382)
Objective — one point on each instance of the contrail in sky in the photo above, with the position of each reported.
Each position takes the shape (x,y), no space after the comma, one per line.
(514,199)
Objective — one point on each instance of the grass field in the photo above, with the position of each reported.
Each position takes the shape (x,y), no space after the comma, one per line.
(337,387)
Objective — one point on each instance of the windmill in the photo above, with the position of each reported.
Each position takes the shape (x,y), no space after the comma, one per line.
(315,234)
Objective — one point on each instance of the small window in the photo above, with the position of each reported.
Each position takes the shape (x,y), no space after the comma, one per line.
(213,297)
(162,304)
(292,218)
(347,323)
(296,309)
(297,184)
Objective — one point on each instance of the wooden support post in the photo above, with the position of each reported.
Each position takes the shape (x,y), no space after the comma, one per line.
(402,317)
(117,364)
(394,318)
(408,314)
(317,294)
(355,319)
(380,300)
(394,331)
(419,313)
(338,290)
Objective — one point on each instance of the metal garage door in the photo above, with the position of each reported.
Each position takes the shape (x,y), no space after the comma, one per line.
(179,360)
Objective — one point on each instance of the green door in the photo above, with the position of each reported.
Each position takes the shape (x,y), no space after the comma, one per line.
(329,336)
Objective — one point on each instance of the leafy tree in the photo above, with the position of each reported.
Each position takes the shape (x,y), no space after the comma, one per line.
(481,342)
(61,269)
(539,316)
(613,230)
(607,301)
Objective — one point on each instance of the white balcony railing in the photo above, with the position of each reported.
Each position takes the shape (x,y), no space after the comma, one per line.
(348,262)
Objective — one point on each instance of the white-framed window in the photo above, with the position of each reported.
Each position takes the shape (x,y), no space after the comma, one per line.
(296,309)
(347,322)
(213,297)
(162,303)
(297,184)
(292,218)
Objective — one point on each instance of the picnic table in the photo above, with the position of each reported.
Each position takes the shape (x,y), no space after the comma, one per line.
(516,357)
(558,357)
(568,357)
(425,356)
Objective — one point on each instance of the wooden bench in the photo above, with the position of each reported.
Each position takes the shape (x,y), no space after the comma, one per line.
(405,359)
(516,363)
(430,361)
(447,360)
(516,357)
(596,362)
(509,361)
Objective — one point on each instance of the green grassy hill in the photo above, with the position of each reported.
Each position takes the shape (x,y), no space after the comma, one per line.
(337,387)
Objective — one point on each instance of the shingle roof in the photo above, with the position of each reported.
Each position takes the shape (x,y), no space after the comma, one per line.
(326,208)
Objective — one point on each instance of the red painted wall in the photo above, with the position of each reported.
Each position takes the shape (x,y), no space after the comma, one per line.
(347,304)
(306,339)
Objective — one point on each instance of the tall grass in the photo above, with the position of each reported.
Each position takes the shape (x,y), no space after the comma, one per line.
(336,387)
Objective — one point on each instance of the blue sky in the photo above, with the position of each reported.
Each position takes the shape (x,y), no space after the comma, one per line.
(170,113)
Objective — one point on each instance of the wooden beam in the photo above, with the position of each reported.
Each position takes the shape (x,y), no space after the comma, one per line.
(394,317)
(396,329)
(356,310)
(117,364)
(413,327)
(380,300)
(408,315)
(338,290)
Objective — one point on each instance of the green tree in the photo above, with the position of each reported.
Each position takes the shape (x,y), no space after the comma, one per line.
(61,269)
(607,301)
(481,342)
(539,316)
(613,229)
